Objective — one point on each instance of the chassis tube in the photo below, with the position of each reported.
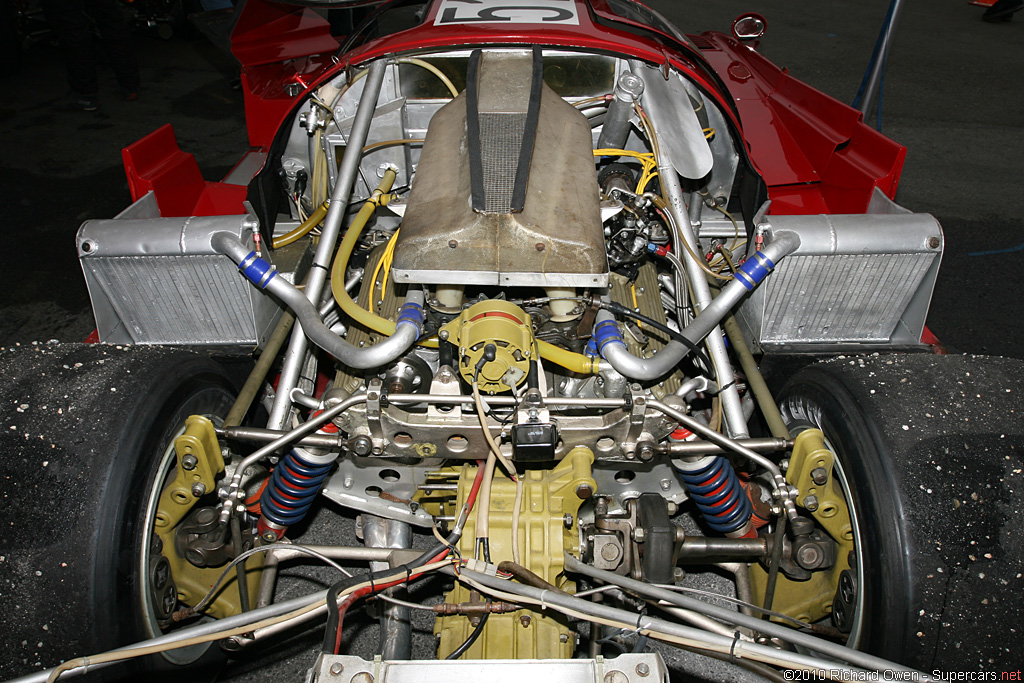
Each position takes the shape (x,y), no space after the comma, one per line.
(395,620)
(830,649)
(297,346)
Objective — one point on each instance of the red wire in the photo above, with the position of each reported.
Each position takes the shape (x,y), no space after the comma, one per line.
(477,481)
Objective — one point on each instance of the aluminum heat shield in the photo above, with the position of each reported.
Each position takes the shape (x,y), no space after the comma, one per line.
(557,238)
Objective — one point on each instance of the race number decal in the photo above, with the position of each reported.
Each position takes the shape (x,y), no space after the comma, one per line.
(506,12)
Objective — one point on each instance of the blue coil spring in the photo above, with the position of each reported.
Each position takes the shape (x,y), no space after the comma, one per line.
(292,488)
(719,496)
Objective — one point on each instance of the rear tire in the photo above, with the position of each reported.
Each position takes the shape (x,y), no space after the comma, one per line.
(85,430)
(931,449)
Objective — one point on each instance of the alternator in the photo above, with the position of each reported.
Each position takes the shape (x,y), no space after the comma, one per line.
(501,324)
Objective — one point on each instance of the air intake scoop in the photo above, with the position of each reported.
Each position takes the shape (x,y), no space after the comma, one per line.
(505,192)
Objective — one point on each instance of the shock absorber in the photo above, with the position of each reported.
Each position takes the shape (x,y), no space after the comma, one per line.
(715,488)
(291,490)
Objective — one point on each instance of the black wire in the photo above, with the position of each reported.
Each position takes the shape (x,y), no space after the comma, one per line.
(675,336)
(461,649)
(333,622)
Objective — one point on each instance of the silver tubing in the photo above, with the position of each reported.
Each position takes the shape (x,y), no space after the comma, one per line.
(705,325)
(203,629)
(308,427)
(825,647)
(297,345)
(643,622)
(379,354)
(615,128)
(875,79)
(570,402)
(690,448)
(702,292)
(735,446)
(395,620)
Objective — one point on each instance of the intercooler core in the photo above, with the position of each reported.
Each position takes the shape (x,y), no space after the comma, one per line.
(505,192)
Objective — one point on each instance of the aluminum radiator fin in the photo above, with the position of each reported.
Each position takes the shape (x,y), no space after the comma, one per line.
(201,300)
(840,298)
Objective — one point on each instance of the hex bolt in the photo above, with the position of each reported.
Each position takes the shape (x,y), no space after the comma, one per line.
(563,637)
(337,668)
(584,491)
(819,475)
(189,462)
(361,445)
(638,534)
(811,503)
(567,520)
(645,451)
(665,484)
(642,669)
(784,464)
(525,620)
(198,489)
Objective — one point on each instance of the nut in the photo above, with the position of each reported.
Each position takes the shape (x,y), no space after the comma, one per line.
(525,620)
(189,462)
(811,503)
(198,489)
(819,475)
(337,668)
(642,669)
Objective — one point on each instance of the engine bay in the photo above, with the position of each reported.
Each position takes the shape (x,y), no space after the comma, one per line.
(527,295)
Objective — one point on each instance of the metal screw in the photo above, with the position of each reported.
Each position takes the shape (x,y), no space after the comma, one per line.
(189,462)
(583,491)
(198,489)
(819,475)
(453,243)
(442,335)
(665,484)
(678,574)
(525,620)
(933,242)
(337,668)
(567,520)
(642,669)
(784,464)
(645,451)
(269,536)
(539,246)
(811,503)
(563,637)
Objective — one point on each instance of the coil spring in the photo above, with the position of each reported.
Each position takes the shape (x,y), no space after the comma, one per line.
(719,496)
(292,488)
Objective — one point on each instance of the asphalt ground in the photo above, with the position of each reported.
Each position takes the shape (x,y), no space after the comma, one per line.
(952,95)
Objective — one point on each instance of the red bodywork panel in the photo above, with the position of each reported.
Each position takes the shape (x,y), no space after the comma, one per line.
(813,151)
(277,45)
(156,164)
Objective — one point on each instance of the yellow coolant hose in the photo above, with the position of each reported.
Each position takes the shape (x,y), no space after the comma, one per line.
(303,230)
(575,362)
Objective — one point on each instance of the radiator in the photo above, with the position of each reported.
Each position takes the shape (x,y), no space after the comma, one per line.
(158,281)
(857,280)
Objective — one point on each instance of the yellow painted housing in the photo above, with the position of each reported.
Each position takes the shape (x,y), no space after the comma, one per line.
(497,322)
(547,529)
